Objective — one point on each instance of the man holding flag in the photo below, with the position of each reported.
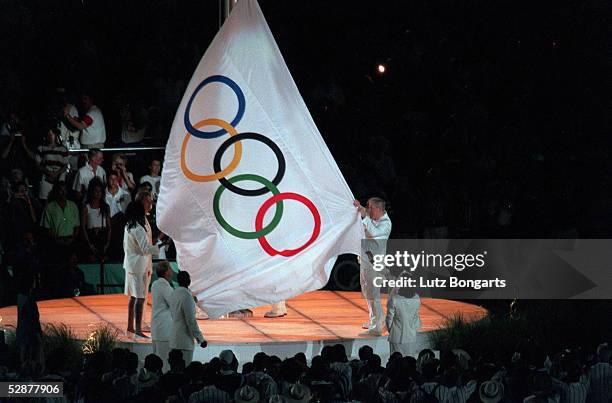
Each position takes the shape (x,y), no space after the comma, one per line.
(377,227)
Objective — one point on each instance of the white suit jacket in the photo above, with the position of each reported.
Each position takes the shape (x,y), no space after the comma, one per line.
(402,318)
(184,325)
(138,247)
(161,316)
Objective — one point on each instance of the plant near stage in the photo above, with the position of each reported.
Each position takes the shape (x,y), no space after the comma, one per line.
(104,338)
(61,348)
(534,328)
(494,337)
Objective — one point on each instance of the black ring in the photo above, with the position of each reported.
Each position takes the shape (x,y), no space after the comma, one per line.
(252,136)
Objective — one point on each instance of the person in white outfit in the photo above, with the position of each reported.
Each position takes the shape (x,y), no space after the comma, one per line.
(138,264)
(403,320)
(377,226)
(91,124)
(184,325)
(161,316)
(146,200)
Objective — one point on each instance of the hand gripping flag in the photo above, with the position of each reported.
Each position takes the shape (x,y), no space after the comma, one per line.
(250,193)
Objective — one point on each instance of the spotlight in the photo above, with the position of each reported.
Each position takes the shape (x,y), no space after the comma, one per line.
(381,69)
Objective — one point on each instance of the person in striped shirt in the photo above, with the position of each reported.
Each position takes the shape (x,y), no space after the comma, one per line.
(52,160)
(600,376)
(574,388)
(448,394)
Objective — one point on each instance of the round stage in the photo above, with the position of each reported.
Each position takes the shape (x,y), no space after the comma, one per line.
(314,319)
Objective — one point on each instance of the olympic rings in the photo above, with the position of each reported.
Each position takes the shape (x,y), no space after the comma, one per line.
(260,231)
(193,130)
(278,198)
(228,183)
(218,174)
(253,136)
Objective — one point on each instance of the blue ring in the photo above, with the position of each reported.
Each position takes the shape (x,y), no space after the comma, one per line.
(241,105)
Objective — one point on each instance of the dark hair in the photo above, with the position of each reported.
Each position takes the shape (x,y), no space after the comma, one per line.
(16,185)
(175,355)
(183,278)
(54,189)
(145,183)
(140,195)
(153,363)
(135,215)
(365,352)
(92,153)
(104,207)
(131,362)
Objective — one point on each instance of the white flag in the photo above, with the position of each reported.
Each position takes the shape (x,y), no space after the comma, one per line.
(250,193)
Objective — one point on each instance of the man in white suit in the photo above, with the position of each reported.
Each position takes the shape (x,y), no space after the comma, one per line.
(161,317)
(184,325)
(377,226)
(403,320)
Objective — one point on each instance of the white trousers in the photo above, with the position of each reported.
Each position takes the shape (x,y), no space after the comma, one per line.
(187,356)
(162,350)
(371,293)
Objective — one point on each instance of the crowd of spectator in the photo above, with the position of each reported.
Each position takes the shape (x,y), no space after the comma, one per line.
(570,376)
(56,204)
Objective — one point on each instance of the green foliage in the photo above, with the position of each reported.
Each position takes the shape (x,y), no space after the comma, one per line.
(104,338)
(62,348)
(535,328)
(494,337)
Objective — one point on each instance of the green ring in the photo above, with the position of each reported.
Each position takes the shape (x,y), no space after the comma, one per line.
(243,234)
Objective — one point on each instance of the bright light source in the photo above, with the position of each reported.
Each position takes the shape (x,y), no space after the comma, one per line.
(381,68)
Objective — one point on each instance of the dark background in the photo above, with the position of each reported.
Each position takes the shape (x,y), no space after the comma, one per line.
(492,118)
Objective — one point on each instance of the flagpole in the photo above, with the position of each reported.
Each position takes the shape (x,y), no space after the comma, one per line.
(225,8)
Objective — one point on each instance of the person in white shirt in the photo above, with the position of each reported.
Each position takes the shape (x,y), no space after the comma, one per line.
(138,248)
(146,200)
(69,135)
(184,325)
(92,169)
(403,320)
(116,197)
(153,177)
(377,226)
(92,123)
(125,179)
(96,221)
(117,200)
(161,316)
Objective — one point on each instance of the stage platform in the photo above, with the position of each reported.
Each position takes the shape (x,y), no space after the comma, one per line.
(314,319)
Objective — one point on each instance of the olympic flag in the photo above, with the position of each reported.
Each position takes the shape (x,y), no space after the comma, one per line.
(250,193)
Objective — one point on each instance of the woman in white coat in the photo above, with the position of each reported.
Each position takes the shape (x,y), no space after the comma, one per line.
(138,263)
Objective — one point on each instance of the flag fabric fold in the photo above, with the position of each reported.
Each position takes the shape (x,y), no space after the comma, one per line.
(250,193)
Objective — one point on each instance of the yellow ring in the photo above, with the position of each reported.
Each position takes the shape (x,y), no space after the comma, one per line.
(237,152)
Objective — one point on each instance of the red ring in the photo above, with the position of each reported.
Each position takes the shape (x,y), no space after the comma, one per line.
(273,200)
